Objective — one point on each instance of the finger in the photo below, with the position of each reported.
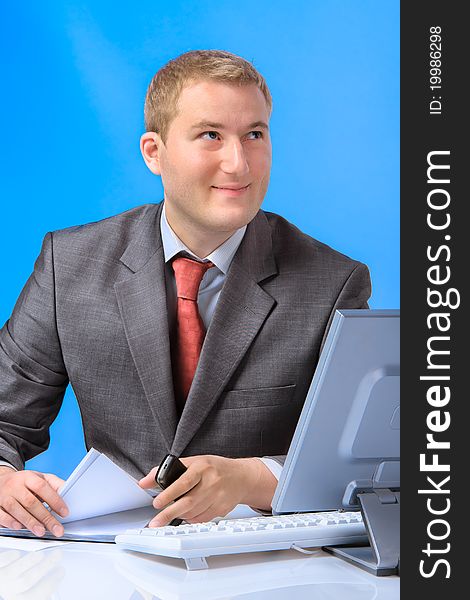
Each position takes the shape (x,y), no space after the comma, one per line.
(207,515)
(149,480)
(17,511)
(7,520)
(165,517)
(187,506)
(179,488)
(55,482)
(205,510)
(38,512)
(43,490)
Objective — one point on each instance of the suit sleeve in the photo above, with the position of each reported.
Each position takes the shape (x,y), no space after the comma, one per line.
(354,294)
(33,377)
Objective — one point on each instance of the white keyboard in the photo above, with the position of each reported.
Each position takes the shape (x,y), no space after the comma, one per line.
(195,542)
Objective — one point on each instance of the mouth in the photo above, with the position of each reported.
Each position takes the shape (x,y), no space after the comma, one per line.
(231,190)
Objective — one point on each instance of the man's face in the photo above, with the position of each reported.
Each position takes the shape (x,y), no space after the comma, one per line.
(216,161)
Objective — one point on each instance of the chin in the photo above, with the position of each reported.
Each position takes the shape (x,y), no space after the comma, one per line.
(234,217)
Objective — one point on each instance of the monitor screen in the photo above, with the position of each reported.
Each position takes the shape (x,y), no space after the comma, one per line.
(347,439)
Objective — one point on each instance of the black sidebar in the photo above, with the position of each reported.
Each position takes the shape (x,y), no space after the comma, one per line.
(435,257)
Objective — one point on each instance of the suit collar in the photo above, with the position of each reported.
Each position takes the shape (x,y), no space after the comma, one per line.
(255,255)
(146,242)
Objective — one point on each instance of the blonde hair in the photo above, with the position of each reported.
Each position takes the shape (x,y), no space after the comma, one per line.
(161,101)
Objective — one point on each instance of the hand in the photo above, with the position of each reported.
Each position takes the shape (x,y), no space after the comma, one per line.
(212,487)
(22,494)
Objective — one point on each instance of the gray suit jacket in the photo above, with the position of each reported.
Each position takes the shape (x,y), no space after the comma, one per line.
(94,314)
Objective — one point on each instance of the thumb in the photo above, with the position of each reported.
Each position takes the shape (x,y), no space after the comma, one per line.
(149,480)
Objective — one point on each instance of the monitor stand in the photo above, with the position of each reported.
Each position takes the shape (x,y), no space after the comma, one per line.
(381,516)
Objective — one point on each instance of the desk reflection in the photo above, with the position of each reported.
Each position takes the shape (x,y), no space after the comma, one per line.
(78,570)
(32,575)
(253,576)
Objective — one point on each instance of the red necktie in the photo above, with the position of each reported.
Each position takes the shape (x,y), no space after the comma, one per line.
(190,330)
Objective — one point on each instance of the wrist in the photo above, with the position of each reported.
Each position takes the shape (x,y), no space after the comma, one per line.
(259,484)
(4,470)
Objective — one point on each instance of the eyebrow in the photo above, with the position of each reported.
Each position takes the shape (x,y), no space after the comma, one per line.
(212,125)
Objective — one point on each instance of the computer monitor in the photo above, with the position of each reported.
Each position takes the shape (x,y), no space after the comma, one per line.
(345,452)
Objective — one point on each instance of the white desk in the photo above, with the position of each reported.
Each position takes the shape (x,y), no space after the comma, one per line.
(79,570)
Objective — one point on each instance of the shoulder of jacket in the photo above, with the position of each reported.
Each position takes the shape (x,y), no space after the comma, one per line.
(127,220)
(102,241)
(290,241)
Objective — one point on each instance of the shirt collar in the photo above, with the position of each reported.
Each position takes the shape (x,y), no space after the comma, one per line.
(221,257)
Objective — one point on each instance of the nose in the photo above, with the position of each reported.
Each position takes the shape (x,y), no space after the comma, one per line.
(233,159)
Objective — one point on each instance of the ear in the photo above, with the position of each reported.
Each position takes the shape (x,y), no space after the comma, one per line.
(150,145)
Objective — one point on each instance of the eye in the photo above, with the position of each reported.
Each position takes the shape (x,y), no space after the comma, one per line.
(255,135)
(210,135)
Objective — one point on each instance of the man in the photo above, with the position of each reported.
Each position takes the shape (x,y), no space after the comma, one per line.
(120,309)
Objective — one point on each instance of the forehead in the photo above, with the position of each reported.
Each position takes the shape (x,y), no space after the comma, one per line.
(221,102)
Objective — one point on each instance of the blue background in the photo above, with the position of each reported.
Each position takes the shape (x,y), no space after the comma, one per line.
(74,76)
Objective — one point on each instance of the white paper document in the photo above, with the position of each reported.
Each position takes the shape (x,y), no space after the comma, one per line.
(103,500)
(98,487)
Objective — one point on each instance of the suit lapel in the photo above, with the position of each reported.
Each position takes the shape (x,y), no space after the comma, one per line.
(241,310)
(142,303)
